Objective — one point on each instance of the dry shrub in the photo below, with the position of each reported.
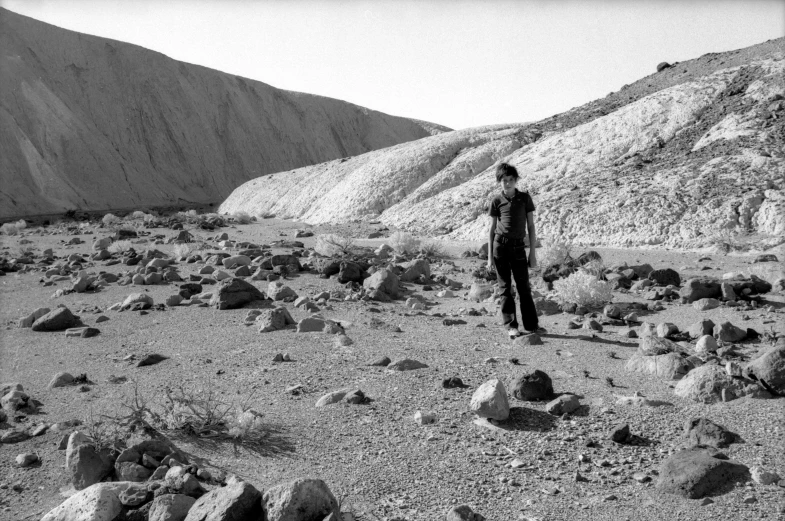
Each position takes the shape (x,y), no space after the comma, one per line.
(583,288)
(331,244)
(404,242)
(120,246)
(14,227)
(768,271)
(554,251)
(433,250)
(111,219)
(241,217)
(182,250)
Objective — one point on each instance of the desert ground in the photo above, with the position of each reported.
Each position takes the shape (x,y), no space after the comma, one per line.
(377,460)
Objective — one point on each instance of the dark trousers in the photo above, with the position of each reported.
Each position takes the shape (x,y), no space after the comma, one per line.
(509,257)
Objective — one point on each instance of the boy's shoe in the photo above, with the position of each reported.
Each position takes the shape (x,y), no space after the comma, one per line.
(540,331)
(513,333)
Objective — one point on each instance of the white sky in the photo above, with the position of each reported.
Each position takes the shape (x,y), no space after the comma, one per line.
(457,63)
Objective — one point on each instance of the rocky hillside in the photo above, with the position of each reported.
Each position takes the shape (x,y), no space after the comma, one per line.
(89,123)
(680,158)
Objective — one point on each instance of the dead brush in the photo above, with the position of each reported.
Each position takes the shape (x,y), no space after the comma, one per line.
(105,432)
(433,250)
(331,244)
(203,412)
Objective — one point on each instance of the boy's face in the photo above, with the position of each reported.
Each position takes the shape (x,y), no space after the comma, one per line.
(508,183)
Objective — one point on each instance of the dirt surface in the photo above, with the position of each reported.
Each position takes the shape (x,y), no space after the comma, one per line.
(374,456)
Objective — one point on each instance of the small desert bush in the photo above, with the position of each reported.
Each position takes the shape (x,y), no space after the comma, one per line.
(241,217)
(433,250)
(331,244)
(404,242)
(182,250)
(768,271)
(553,251)
(105,432)
(111,219)
(120,246)
(583,288)
(14,227)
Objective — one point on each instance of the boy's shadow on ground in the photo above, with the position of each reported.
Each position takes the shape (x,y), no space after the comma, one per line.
(594,339)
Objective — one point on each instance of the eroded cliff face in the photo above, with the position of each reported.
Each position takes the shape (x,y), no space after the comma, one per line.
(675,159)
(89,123)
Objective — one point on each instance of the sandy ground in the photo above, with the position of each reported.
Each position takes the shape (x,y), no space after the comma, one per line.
(374,456)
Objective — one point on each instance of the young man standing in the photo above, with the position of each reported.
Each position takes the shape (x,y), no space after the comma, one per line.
(512,214)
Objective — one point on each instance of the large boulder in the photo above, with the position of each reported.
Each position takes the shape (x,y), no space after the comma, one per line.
(350,272)
(727,332)
(769,368)
(698,288)
(58,319)
(463,513)
(99,502)
(234,293)
(236,501)
(170,507)
(532,386)
(650,344)
(704,432)
(406,364)
(86,465)
(490,401)
(546,306)
(480,291)
(695,473)
(412,270)
(670,366)
(277,290)
(700,328)
(665,277)
(137,301)
(709,383)
(300,500)
(274,319)
(384,281)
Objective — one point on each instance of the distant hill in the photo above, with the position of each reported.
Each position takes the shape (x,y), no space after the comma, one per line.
(91,124)
(679,158)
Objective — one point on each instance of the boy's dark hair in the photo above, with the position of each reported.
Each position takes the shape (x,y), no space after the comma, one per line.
(503,169)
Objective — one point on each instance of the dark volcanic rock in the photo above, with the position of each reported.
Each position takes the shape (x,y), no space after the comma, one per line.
(235,293)
(58,319)
(695,473)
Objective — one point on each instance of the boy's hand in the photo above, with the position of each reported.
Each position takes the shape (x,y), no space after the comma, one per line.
(490,265)
(532,260)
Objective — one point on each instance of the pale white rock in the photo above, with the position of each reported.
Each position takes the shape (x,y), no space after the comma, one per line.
(99,502)
(706,344)
(490,401)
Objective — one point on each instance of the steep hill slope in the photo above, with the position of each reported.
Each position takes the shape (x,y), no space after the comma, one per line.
(90,123)
(677,158)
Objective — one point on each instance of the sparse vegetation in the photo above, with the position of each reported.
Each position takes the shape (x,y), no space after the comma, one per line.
(110,220)
(553,251)
(332,244)
(404,242)
(13,228)
(120,246)
(183,250)
(433,250)
(104,432)
(768,271)
(241,217)
(583,288)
